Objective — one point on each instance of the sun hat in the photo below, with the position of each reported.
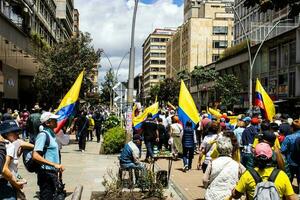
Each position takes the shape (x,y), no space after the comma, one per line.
(47,116)
(9,126)
(263,149)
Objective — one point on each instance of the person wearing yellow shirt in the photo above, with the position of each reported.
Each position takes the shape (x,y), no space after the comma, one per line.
(263,159)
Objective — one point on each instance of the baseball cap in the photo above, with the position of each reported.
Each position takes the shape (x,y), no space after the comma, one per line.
(263,149)
(9,126)
(247,119)
(47,116)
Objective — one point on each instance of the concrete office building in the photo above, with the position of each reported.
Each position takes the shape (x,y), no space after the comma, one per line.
(25,26)
(64,12)
(154,58)
(76,31)
(257,24)
(201,39)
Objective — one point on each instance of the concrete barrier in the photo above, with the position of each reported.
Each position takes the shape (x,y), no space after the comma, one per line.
(77,193)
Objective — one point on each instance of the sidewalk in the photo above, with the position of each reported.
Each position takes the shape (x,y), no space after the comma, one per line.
(85,169)
(187,184)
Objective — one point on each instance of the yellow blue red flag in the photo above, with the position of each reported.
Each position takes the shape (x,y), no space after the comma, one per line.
(264,102)
(138,120)
(187,109)
(67,106)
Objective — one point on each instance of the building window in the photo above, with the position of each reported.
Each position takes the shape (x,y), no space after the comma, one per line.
(273,59)
(220,30)
(292,53)
(220,44)
(285,56)
(215,57)
(292,84)
(283,85)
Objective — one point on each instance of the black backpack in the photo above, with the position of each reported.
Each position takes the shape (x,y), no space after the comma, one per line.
(31,165)
(295,155)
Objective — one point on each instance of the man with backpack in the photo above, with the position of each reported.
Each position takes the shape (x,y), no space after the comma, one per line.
(291,149)
(46,153)
(264,182)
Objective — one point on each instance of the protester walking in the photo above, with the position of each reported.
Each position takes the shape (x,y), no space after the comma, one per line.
(222,173)
(189,142)
(163,135)
(291,149)
(264,179)
(151,135)
(82,124)
(91,127)
(176,130)
(207,146)
(248,137)
(48,174)
(98,117)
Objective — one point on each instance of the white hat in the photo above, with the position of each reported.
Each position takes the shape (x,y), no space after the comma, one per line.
(48,115)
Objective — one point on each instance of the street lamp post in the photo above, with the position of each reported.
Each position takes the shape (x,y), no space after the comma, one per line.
(132,59)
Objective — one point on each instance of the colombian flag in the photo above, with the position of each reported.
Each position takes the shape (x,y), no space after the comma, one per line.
(264,102)
(187,109)
(138,120)
(67,105)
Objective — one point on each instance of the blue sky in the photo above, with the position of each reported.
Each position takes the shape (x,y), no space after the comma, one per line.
(178,2)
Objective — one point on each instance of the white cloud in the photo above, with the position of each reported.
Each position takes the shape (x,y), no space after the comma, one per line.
(109,22)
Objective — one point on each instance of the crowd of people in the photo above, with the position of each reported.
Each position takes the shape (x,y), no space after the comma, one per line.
(32,134)
(252,156)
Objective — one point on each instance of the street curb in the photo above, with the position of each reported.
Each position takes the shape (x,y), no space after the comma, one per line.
(174,186)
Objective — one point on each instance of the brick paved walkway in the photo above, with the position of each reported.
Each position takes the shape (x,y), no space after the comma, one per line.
(189,184)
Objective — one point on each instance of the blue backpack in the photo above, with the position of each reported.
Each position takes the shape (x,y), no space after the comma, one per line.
(31,165)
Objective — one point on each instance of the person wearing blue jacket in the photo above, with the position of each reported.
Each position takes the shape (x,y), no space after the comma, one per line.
(188,144)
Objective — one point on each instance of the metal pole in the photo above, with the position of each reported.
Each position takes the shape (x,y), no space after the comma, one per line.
(249,54)
(132,59)
(121,63)
(121,106)
(256,54)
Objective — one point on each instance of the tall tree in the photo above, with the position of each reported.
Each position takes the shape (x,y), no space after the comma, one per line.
(166,90)
(106,94)
(229,88)
(203,74)
(60,66)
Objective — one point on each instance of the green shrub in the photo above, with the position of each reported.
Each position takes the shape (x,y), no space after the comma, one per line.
(111,122)
(114,140)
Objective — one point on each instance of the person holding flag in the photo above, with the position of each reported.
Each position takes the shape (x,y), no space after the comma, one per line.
(264,102)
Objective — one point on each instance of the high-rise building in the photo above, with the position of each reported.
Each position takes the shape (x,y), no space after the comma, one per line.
(201,39)
(64,12)
(76,23)
(25,28)
(257,24)
(154,58)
